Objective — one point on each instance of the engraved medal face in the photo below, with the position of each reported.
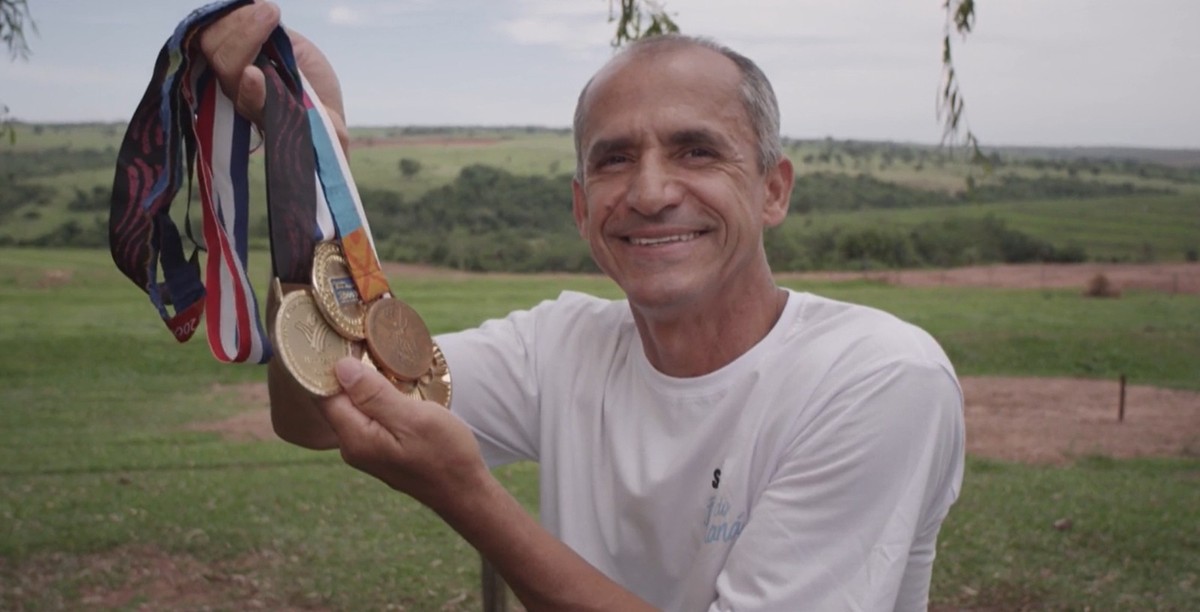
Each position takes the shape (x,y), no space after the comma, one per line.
(335,293)
(398,340)
(308,346)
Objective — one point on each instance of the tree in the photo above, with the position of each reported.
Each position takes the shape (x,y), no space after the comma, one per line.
(636,12)
(14,17)
(951,105)
(960,16)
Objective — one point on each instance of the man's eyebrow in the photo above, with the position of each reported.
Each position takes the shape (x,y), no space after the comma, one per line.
(603,147)
(687,138)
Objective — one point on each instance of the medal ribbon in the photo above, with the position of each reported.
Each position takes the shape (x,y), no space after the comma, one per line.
(141,234)
(358,245)
(235,333)
(184,116)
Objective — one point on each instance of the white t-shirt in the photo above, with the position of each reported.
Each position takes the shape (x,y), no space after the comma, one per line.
(812,473)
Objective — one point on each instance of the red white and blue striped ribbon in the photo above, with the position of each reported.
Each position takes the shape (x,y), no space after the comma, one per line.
(235,333)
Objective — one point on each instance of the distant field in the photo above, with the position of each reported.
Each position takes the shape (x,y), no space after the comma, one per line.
(1129,228)
(1133,228)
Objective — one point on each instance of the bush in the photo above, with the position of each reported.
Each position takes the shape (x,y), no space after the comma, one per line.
(1101,287)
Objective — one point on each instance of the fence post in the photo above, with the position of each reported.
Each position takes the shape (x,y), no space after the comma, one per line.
(494,594)
(1121,405)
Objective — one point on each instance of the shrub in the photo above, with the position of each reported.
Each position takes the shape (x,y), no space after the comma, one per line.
(1101,287)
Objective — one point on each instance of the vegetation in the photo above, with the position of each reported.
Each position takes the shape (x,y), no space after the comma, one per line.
(499,200)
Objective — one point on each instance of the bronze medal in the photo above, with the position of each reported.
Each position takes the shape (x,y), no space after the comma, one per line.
(435,384)
(398,340)
(409,389)
(308,346)
(335,293)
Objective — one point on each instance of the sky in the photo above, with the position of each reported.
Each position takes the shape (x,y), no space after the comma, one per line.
(1033,72)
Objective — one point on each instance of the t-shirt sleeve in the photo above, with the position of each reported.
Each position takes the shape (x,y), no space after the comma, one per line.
(494,390)
(849,517)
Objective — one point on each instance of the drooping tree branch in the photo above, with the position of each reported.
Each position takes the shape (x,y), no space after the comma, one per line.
(951,105)
(633,14)
(14,18)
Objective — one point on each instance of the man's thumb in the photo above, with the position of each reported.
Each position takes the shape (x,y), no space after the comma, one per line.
(349,371)
(370,392)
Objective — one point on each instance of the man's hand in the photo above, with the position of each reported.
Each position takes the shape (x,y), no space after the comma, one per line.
(230,45)
(418,448)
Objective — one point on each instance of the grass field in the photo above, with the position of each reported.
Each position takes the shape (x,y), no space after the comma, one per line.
(99,469)
(1134,228)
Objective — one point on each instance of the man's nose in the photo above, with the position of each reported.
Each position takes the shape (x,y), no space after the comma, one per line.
(655,187)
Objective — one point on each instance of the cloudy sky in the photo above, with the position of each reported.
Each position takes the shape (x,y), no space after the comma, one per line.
(1034,72)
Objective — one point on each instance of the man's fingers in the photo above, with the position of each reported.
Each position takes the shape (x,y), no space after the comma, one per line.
(371,393)
(346,421)
(231,44)
(251,94)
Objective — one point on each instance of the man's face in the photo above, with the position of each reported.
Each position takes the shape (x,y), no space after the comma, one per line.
(672,200)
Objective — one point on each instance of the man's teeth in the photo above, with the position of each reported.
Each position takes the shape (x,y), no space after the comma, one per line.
(664,239)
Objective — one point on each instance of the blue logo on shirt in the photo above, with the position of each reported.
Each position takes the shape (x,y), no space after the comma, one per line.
(717,523)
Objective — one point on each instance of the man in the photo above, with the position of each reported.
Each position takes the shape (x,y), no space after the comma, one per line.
(714,441)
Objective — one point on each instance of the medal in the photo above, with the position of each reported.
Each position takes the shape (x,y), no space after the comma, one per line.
(335,293)
(434,385)
(308,346)
(398,340)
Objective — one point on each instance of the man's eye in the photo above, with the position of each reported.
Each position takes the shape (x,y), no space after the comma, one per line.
(611,160)
(700,152)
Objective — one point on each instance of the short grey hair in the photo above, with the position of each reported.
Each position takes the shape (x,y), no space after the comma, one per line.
(758,97)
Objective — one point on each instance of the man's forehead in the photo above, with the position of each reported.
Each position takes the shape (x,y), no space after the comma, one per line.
(658,78)
(681,60)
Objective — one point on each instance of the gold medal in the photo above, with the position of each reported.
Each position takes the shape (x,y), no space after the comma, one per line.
(398,340)
(335,293)
(308,346)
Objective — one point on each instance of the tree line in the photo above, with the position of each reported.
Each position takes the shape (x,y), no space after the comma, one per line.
(488,219)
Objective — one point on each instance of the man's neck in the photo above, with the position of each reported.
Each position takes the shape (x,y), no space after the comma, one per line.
(705,340)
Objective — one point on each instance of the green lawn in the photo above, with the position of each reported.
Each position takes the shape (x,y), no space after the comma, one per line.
(96,455)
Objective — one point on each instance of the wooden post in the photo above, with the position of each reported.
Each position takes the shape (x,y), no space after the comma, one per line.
(1121,406)
(494,593)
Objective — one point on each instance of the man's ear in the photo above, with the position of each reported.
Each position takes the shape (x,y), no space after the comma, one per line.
(579,208)
(780,179)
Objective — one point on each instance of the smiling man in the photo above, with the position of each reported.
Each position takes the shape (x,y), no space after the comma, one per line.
(712,442)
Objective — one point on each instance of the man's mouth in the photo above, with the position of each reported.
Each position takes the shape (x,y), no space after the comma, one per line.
(658,240)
